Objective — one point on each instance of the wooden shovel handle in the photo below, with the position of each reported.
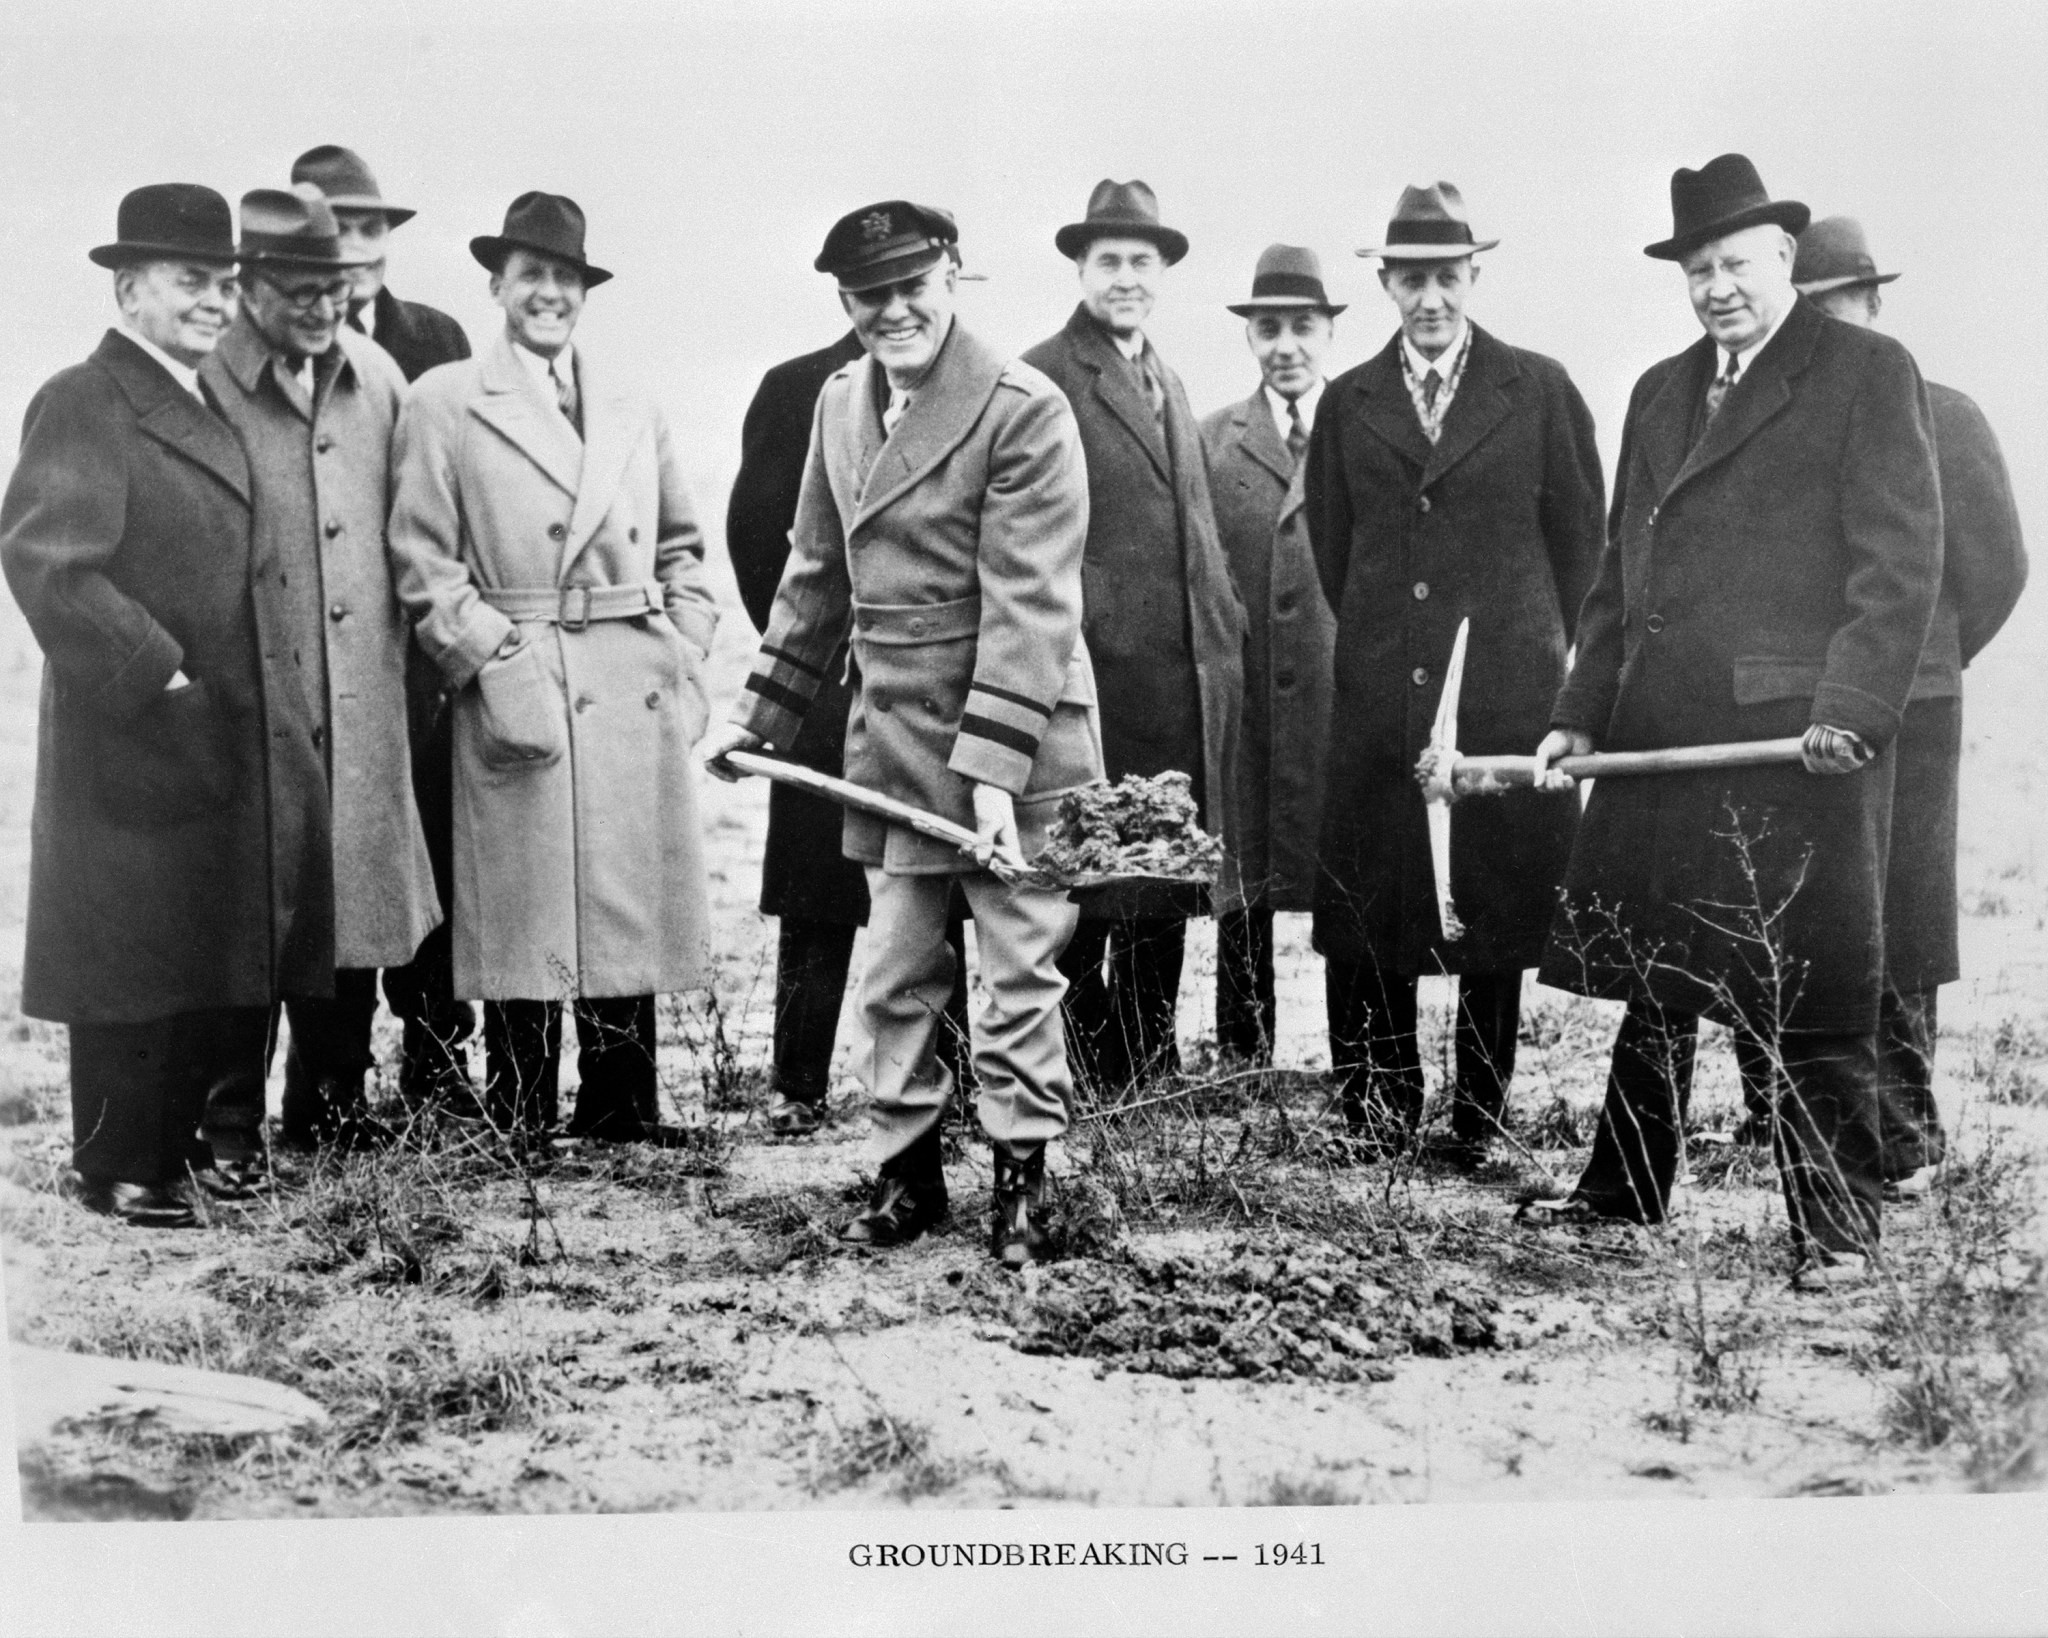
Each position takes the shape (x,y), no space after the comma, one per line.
(1490,775)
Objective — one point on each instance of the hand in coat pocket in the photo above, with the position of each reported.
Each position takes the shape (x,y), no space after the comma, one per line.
(172,761)
(522,711)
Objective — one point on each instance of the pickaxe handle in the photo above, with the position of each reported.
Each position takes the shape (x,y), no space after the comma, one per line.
(1490,775)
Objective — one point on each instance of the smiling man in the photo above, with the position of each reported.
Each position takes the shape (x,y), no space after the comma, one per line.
(1256,451)
(940,530)
(1164,622)
(1773,559)
(1450,478)
(552,563)
(178,860)
(314,405)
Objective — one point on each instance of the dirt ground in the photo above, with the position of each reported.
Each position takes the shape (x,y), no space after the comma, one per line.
(598,1329)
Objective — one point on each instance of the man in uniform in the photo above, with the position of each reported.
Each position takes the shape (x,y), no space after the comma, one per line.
(940,531)
(1164,624)
(1451,478)
(1773,560)
(179,878)
(1984,568)
(422,991)
(314,405)
(1255,451)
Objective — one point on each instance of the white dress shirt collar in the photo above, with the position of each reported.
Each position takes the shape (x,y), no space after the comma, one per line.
(1131,346)
(547,371)
(1306,403)
(1444,362)
(183,374)
(1744,358)
(366,317)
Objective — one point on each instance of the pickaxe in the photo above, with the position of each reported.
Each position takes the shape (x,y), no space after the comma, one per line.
(1445,776)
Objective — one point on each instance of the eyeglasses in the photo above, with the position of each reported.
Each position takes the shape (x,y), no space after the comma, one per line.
(304,298)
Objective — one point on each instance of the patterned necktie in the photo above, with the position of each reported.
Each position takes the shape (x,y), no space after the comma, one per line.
(1297,434)
(1719,390)
(899,405)
(1155,394)
(565,395)
(1432,384)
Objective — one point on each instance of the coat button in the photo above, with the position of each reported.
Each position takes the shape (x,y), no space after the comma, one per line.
(1653,517)
(653,700)
(1419,676)
(1284,680)
(917,628)
(333,527)
(319,734)
(337,612)
(882,703)
(633,534)
(1421,590)
(322,444)
(583,702)
(1284,606)
(932,706)
(557,532)
(1654,624)
(1422,503)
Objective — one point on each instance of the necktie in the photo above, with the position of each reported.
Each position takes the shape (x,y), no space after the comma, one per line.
(1432,384)
(1719,390)
(899,403)
(1297,434)
(565,395)
(1155,394)
(306,378)
(355,322)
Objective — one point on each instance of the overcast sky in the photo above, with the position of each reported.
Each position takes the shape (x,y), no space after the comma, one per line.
(712,145)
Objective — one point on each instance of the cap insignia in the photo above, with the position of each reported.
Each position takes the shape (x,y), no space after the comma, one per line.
(876,226)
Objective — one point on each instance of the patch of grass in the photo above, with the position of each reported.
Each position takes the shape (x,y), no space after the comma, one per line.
(1283,1491)
(880,1445)
(2012,1067)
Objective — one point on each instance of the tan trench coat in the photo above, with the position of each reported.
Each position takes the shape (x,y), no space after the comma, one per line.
(320,477)
(950,552)
(579,866)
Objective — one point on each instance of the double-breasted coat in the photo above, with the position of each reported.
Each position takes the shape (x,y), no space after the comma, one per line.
(948,553)
(1498,522)
(804,874)
(1256,488)
(178,855)
(1984,569)
(1777,569)
(320,476)
(579,866)
(1164,624)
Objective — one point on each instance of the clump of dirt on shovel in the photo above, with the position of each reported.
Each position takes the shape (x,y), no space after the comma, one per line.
(1269,1310)
(1137,827)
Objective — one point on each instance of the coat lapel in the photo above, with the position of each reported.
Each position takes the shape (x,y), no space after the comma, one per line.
(1259,438)
(612,429)
(1116,391)
(1384,405)
(1664,428)
(1759,397)
(942,412)
(1485,399)
(510,402)
(172,416)
(861,434)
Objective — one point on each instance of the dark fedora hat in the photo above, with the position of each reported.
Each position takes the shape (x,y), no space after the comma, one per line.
(879,244)
(178,221)
(341,174)
(1288,278)
(550,223)
(1723,196)
(1121,210)
(1833,254)
(291,228)
(1429,225)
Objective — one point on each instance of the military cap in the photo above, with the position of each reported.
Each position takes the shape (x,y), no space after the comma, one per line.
(879,244)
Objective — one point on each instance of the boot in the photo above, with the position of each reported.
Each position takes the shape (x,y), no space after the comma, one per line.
(432,1074)
(327,1111)
(1017,1235)
(909,1197)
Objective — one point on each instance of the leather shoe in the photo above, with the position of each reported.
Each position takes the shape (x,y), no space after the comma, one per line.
(792,1117)
(657,1134)
(234,1180)
(139,1205)
(909,1197)
(1568,1212)
(1832,1271)
(1017,1235)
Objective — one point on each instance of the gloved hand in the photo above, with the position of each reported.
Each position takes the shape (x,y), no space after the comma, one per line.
(995,828)
(1825,750)
(728,736)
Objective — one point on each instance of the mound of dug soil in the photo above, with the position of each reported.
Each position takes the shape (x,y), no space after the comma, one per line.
(1136,827)
(1269,1310)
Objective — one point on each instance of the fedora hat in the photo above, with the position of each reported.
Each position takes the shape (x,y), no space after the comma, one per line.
(880,244)
(180,221)
(1832,255)
(1429,225)
(1723,196)
(341,174)
(1121,210)
(1288,278)
(550,223)
(291,228)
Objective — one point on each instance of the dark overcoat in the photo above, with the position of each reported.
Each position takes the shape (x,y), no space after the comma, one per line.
(1984,568)
(1255,485)
(179,854)
(804,873)
(1164,623)
(417,337)
(1498,522)
(948,552)
(1777,570)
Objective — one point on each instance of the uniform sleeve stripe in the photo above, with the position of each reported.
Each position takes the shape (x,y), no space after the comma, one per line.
(1024,700)
(775,694)
(793,662)
(1001,733)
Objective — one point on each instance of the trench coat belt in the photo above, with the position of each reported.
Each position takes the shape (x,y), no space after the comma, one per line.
(907,624)
(574,607)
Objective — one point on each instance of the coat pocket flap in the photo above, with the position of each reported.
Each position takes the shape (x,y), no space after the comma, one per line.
(1761,678)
